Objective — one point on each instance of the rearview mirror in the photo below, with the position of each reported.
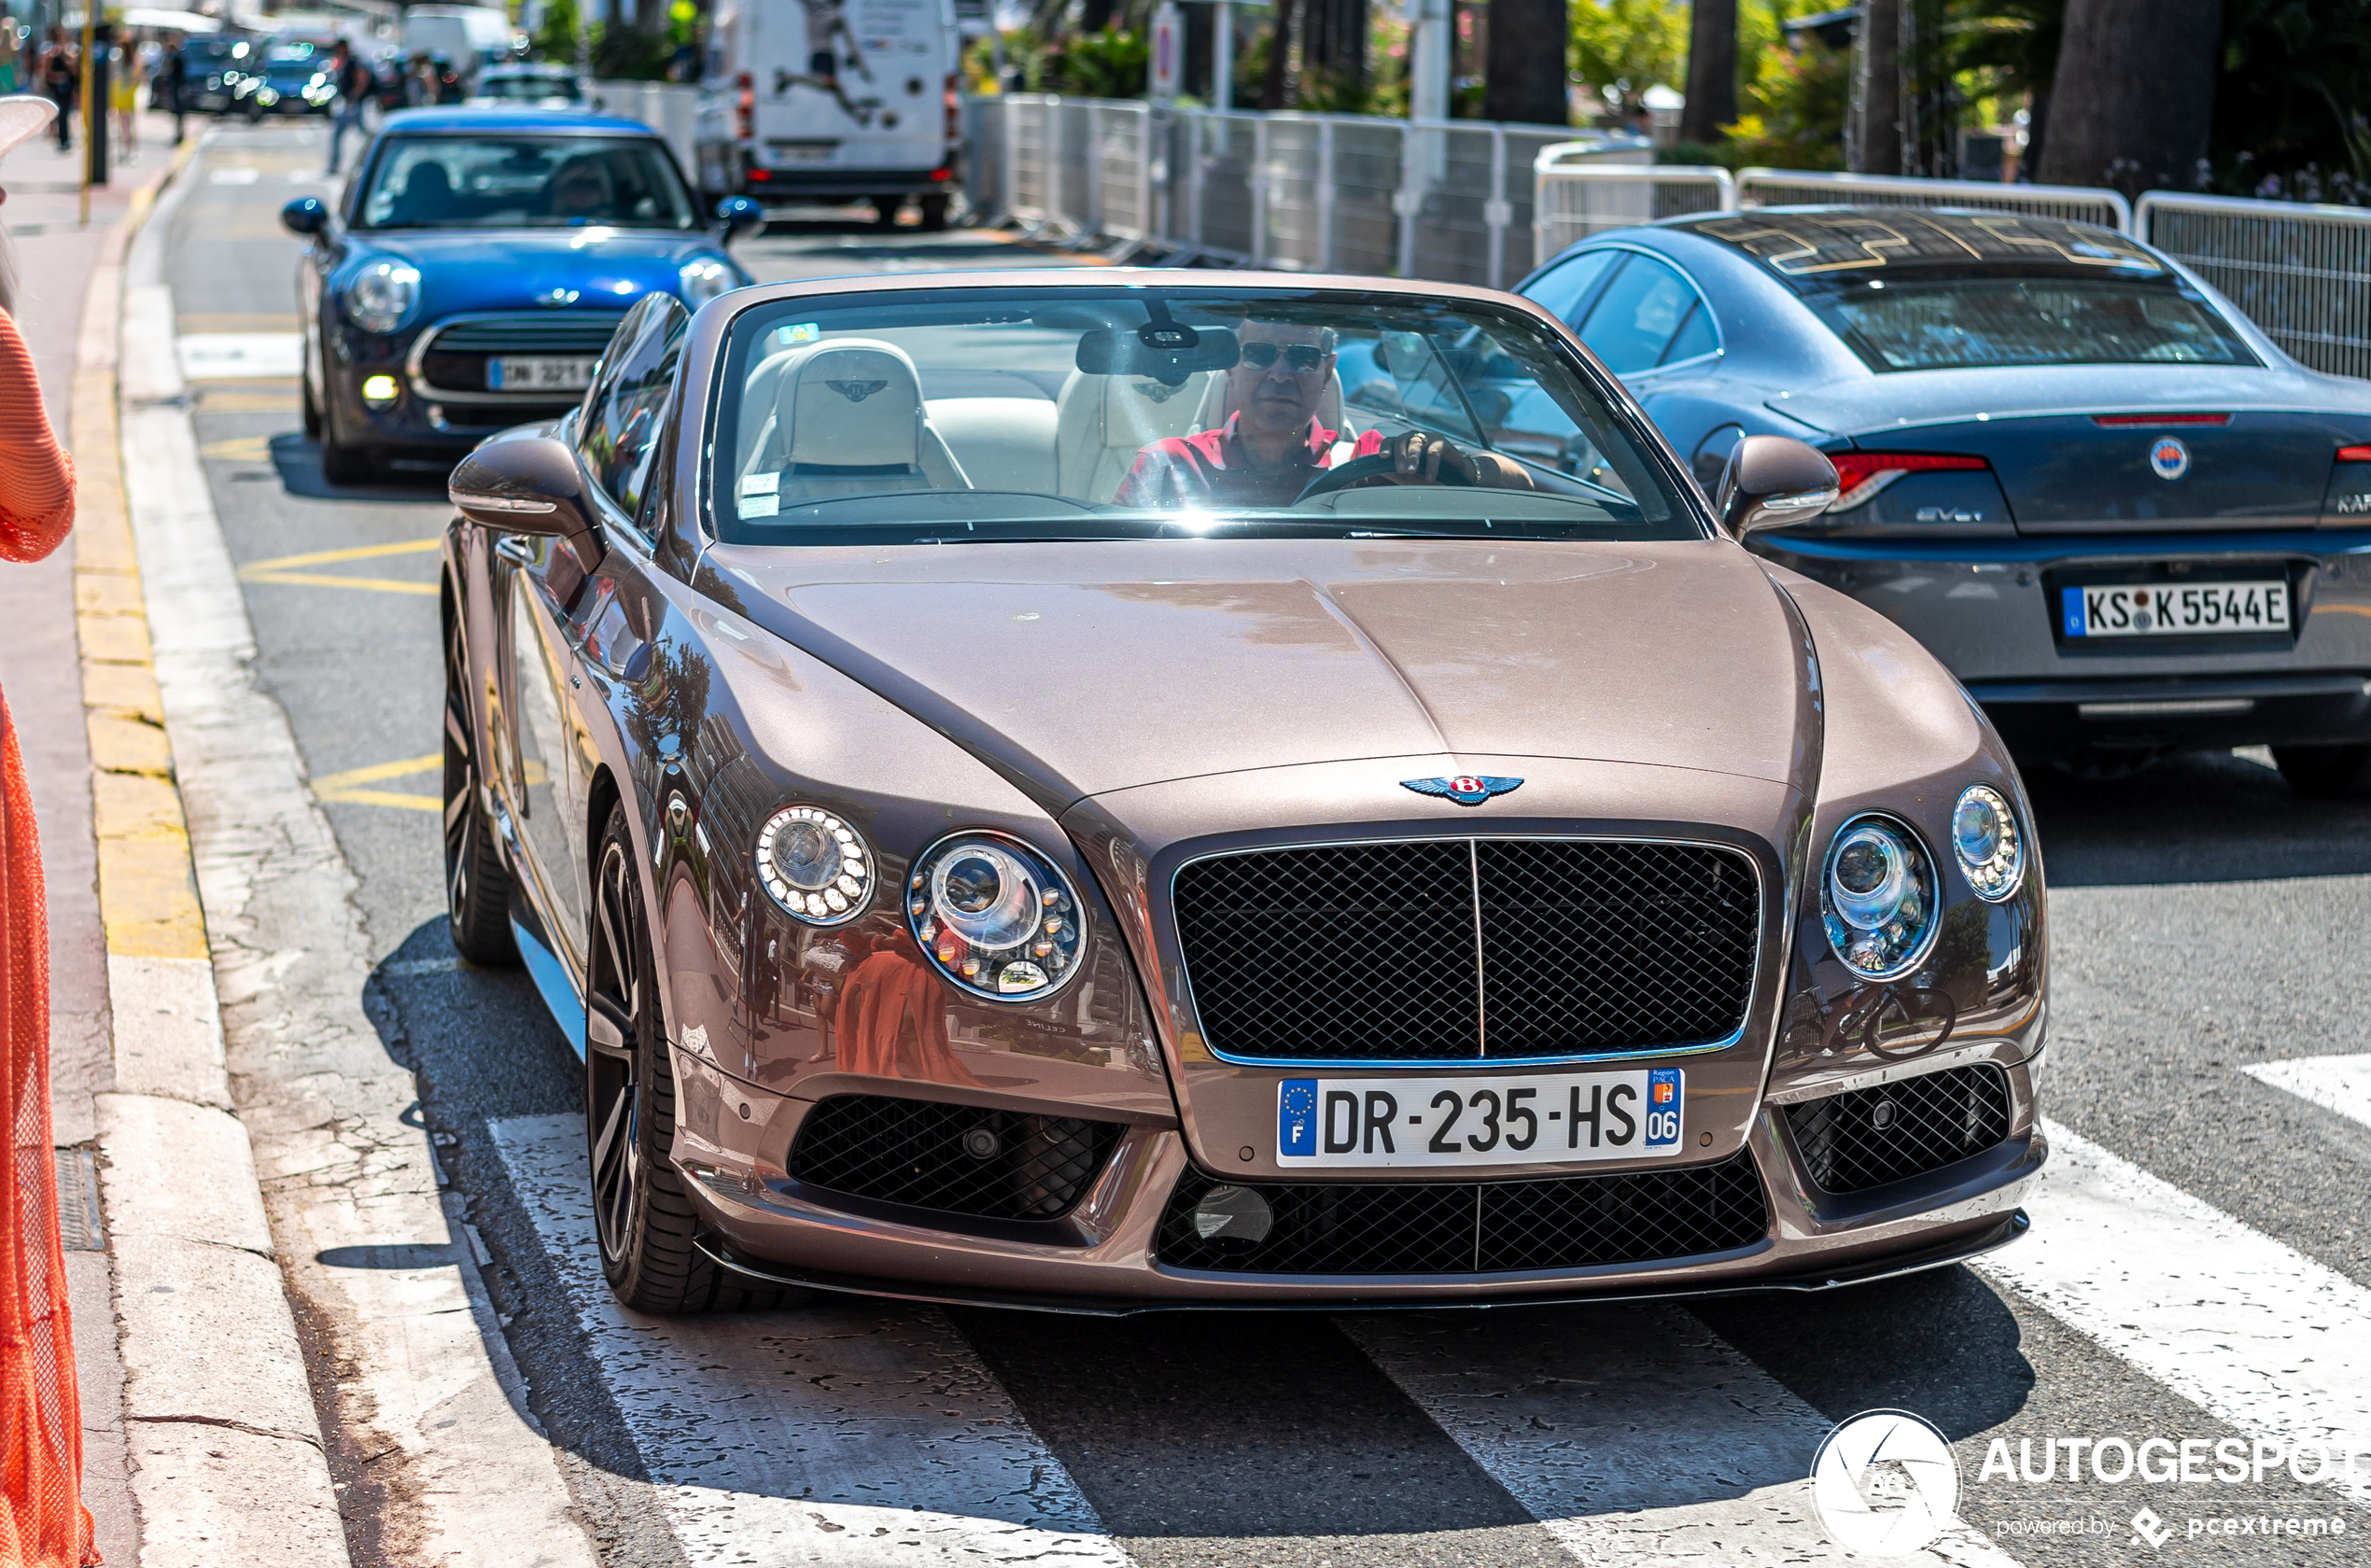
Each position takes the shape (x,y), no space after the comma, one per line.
(528,484)
(739,216)
(1167,351)
(306,214)
(1772,481)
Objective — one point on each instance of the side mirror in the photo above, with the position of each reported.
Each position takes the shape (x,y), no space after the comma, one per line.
(528,484)
(306,214)
(1772,481)
(739,216)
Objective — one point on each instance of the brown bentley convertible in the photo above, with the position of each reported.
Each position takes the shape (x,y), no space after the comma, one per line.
(1107,790)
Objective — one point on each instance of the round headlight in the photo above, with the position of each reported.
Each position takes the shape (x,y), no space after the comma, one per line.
(704,279)
(996,917)
(816,867)
(1877,897)
(1985,837)
(382,294)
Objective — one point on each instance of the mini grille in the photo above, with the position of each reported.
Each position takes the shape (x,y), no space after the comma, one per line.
(1851,1143)
(1450,949)
(958,1159)
(580,333)
(1487,1227)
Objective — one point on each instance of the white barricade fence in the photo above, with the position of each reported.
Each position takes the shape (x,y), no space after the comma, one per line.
(983,169)
(1584,189)
(2300,272)
(1794,188)
(670,108)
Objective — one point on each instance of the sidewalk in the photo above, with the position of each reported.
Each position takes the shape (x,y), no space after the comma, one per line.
(41,673)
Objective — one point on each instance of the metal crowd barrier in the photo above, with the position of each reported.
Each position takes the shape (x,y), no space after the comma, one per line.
(1579,191)
(1787,187)
(2300,272)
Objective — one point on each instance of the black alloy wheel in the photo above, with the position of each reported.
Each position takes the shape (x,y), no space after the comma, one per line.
(885,210)
(933,209)
(477,881)
(643,1215)
(2325,771)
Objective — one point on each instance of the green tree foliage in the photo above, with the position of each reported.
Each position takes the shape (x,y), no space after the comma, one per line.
(2290,113)
(1621,48)
(1794,109)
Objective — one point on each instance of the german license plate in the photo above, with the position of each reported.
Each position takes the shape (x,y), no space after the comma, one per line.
(2175,609)
(539,374)
(1537,1119)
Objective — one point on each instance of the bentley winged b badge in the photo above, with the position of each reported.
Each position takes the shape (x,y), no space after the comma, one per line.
(1465,788)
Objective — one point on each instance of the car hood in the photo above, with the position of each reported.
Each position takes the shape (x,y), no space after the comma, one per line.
(1873,407)
(608,269)
(1081,669)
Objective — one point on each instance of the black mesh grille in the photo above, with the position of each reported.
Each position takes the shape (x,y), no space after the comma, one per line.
(1419,952)
(1853,1141)
(1576,1221)
(931,1155)
(576,333)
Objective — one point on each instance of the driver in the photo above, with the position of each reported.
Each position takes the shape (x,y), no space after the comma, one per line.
(1273,446)
(582,189)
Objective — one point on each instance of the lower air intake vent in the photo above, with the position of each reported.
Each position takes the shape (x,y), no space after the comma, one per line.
(997,1165)
(1464,1227)
(1851,1143)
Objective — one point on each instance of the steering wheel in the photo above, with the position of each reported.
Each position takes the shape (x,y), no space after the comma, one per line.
(1367,470)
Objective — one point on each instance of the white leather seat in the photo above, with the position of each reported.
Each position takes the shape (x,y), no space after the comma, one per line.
(1100,423)
(847,419)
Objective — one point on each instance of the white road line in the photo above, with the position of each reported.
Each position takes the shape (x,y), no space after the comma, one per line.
(240,356)
(858,1433)
(1635,1436)
(2256,1332)
(2341,1083)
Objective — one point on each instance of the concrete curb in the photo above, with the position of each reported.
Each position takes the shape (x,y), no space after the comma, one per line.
(226,1448)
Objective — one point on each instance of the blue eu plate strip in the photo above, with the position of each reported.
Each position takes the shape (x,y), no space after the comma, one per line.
(1296,1117)
(2073,600)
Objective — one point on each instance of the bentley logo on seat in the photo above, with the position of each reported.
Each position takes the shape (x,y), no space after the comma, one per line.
(856,391)
(1465,788)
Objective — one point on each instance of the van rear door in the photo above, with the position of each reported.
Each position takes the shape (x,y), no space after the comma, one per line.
(851,86)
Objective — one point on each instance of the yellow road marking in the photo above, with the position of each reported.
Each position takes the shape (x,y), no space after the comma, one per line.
(343,786)
(239,449)
(383,797)
(276,570)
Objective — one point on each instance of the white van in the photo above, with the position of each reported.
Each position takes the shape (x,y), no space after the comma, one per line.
(833,101)
(465,36)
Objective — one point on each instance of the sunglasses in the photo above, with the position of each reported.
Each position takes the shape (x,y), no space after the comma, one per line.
(1303,358)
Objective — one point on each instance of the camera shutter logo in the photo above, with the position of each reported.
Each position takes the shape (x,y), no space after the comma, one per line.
(1884,1484)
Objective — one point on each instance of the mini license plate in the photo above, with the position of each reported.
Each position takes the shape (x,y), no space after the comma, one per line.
(1537,1119)
(2175,609)
(539,374)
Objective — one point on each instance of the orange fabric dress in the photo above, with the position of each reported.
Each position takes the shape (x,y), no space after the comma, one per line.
(43,1523)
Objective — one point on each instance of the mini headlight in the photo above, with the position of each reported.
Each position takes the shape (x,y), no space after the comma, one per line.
(816,867)
(1985,837)
(1877,897)
(704,279)
(382,296)
(996,917)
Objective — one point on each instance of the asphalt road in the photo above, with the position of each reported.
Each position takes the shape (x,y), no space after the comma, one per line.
(2205,919)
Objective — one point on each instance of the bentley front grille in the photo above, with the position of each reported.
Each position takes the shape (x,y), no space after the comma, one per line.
(959,1160)
(1455,949)
(1851,1143)
(1472,1227)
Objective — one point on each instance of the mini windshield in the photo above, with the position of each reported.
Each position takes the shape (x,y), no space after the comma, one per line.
(525,182)
(1912,323)
(527,89)
(1129,411)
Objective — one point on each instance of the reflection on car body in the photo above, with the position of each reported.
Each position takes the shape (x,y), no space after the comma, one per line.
(967,878)
(2027,413)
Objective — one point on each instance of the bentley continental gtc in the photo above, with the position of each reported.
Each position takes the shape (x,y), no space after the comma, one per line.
(1107,790)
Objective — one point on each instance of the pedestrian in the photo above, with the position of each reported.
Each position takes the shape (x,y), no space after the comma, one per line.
(352,81)
(8,55)
(43,1523)
(173,78)
(61,79)
(124,82)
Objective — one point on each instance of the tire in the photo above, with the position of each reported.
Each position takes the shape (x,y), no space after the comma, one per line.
(477,881)
(885,210)
(343,464)
(2325,771)
(934,213)
(643,1215)
(312,403)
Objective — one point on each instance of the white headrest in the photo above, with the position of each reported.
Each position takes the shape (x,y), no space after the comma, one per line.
(850,403)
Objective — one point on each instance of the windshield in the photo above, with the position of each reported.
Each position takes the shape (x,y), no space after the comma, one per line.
(527,89)
(1126,412)
(525,182)
(1931,324)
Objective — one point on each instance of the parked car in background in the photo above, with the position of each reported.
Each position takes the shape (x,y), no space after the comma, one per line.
(543,86)
(2126,520)
(292,76)
(834,101)
(472,273)
(212,69)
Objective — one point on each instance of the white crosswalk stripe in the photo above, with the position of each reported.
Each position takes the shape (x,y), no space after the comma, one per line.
(1638,1437)
(2256,1333)
(862,1434)
(2339,1083)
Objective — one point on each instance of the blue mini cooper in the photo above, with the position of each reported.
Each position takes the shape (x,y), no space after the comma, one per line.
(473,273)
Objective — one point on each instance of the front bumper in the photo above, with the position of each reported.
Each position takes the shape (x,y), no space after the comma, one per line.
(1104,1256)
(1986,607)
(419,420)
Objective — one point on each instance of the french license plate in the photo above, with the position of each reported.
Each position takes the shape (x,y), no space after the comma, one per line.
(539,374)
(2175,609)
(1537,1119)
(802,152)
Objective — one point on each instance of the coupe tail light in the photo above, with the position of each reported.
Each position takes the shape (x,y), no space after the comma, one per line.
(1859,475)
(2354,455)
(2144,421)
(745,108)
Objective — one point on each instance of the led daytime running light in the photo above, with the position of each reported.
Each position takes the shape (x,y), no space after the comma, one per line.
(1987,844)
(814,865)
